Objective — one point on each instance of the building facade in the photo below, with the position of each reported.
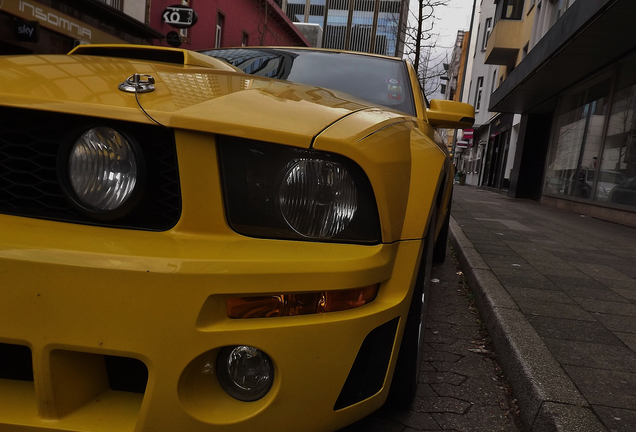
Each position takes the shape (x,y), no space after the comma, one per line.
(228,23)
(576,89)
(374,26)
(455,77)
(563,104)
(481,79)
(45,26)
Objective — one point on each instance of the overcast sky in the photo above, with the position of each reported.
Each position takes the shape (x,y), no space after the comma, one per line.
(449,19)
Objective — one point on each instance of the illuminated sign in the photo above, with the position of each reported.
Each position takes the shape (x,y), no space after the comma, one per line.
(52,19)
(55,20)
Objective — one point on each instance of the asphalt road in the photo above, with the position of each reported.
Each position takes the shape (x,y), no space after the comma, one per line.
(461,387)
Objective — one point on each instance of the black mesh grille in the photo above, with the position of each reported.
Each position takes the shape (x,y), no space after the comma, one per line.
(30,143)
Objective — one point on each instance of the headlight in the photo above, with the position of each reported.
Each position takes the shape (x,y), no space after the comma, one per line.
(103,171)
(317,198)
(275,191)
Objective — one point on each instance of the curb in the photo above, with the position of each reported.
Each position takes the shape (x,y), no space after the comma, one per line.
(548,399)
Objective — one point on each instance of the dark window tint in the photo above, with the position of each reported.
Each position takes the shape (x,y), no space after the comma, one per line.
(381,81)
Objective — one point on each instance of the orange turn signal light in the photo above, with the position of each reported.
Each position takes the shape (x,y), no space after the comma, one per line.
(300,303)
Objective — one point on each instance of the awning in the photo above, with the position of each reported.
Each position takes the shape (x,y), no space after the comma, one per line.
(590,35)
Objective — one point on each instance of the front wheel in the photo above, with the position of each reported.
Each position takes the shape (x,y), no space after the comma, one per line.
(439,251)
(409,362)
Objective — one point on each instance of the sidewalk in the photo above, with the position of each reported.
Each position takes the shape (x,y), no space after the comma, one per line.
(557,291)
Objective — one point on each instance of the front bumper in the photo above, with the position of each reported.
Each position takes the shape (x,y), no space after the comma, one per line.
(74,294)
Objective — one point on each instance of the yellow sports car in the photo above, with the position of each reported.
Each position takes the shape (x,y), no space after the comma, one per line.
(221,241)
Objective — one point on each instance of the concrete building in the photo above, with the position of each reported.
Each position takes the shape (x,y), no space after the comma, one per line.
(43,27)
(452,90)
(572,79)
(489,148)
(502,40)
(375,26)
(229,23)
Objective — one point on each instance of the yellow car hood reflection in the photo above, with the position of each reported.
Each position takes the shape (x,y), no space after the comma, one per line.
(188,97)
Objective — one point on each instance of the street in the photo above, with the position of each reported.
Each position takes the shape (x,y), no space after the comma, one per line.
(461,387)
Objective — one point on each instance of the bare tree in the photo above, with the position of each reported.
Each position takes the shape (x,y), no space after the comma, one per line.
(420,43)
(263,28)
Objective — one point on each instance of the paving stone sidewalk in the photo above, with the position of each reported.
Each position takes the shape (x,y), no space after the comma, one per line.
(461,386)
(557,291)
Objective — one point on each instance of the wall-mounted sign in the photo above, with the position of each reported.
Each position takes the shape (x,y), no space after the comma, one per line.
(27,31)
(173,38)
(179,16)
(53,19)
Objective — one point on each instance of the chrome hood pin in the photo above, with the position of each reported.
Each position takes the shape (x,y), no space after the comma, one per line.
(138,83)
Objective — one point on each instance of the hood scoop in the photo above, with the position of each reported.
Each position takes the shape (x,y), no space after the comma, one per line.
(153,54)
(132,52)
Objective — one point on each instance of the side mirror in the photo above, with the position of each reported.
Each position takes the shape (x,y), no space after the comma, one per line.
(450,114)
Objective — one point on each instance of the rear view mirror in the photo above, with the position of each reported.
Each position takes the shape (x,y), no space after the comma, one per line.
(450,114)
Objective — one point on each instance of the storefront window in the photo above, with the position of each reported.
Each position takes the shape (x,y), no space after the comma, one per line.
(593,151)
(580,123)
(617,178)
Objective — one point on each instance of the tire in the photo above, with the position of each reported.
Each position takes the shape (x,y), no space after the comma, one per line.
(409,362)
(439,251)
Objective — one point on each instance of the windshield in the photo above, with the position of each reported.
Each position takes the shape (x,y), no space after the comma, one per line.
(380,81)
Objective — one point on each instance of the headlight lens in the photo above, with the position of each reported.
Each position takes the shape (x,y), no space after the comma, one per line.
(275,191)
(245,373)
(102,169)
(317,198)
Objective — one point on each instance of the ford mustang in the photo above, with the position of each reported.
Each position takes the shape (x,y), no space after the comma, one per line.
(227,240)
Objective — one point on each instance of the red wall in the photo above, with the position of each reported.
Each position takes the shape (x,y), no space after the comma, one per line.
(240,16)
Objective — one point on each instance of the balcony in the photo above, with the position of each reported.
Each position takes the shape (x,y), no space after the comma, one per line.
(504,43)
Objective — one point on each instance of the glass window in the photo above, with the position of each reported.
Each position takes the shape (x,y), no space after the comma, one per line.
(617,177)
(487,31)
(512,9)
(593,154)
(480,86)
(218,35)
(578,137)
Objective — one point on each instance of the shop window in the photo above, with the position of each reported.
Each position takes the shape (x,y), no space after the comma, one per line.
(593,153)
(573,161)
(617,168)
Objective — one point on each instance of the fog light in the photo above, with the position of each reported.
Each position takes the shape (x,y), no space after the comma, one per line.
(245,372)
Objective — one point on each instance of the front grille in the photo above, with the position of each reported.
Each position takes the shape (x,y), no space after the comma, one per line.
(16,362)
(30,143)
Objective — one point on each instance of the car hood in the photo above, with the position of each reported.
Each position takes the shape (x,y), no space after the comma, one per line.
(204,98)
